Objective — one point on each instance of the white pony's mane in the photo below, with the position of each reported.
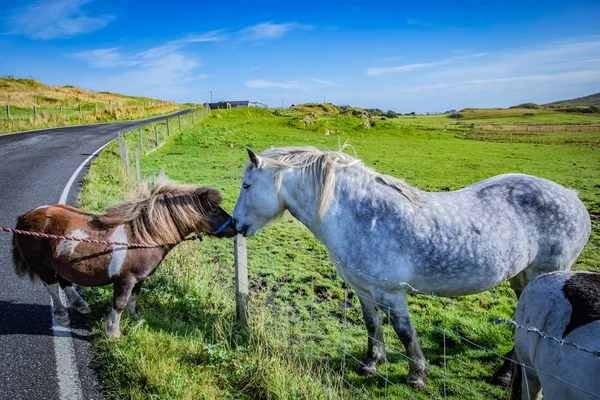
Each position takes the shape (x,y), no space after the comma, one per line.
(319,166)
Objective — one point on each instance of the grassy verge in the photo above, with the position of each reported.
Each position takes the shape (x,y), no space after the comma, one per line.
(188,345)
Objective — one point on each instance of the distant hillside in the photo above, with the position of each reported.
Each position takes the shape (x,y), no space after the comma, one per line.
(22,92)
(586,101)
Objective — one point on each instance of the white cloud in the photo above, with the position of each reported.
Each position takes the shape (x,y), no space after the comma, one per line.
(262,84)
(50,19)
(413,67)
(269,30)
(414,22)
(161,71)
(325,83)
(304,85)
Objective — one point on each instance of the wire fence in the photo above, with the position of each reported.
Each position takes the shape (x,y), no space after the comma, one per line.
(78,110)
(331,338)
(137,143)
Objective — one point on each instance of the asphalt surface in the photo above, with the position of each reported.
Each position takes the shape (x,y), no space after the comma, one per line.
(34,169)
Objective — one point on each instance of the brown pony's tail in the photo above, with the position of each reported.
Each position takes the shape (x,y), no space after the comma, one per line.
(21,267)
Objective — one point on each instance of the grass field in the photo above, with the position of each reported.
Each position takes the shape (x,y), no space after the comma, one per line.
(187,345)
(68,105)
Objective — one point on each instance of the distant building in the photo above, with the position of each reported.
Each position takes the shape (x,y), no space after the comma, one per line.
(229,104)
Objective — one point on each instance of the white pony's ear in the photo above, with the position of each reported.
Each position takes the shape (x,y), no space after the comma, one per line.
(255,159)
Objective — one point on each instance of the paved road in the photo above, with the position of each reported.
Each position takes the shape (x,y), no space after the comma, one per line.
(34,169)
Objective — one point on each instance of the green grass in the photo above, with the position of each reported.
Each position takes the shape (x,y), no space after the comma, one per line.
(188,345)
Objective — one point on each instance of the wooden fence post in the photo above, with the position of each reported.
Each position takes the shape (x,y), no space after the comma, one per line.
(95,108)
(109,105)
(8,111)
(192,118)
(122,149)
(155,136)
(35,112)
(168,132)
(60,110)
(179,119)
(138,172)
(80,110)
(141,141)
(241,280)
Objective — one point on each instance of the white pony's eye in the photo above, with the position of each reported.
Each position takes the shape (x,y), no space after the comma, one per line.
(245,186)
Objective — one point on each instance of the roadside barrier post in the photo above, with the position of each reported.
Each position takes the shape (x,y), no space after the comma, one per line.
(241,280)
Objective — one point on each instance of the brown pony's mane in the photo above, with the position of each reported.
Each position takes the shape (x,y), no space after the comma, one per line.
(163,211)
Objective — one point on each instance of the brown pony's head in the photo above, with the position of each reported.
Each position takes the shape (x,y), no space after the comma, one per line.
(165,212)
(218,221)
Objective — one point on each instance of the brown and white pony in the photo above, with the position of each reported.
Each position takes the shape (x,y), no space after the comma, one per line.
(162,217)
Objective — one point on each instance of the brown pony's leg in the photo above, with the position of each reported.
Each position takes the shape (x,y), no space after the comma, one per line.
(132,298)
(48,276)
(122,291)
(74,298)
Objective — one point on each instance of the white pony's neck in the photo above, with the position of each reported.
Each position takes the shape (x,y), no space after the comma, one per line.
(300,200)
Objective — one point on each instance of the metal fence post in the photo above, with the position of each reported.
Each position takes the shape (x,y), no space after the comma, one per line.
(241,280)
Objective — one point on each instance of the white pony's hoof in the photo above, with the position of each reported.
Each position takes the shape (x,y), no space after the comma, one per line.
(416,381)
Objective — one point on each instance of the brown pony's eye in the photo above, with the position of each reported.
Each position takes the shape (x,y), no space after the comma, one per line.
(245,186)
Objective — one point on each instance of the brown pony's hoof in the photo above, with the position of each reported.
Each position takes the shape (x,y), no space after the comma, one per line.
(83,309)
(62,319)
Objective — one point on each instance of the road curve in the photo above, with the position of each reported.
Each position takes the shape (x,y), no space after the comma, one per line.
(34,169)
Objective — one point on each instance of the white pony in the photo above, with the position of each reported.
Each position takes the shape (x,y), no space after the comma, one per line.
(566,306)
(382,233)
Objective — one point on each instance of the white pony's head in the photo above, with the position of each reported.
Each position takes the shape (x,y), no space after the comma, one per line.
(261,199)
(259,202)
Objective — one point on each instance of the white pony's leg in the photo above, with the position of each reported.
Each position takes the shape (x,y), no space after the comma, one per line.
(405,330)
(76,301)
(376,348)
(60,311)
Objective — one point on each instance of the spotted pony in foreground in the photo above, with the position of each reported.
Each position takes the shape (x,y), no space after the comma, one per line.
(384,235)
(162,218)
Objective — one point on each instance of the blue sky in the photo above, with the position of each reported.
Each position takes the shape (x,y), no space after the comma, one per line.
(406,56)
